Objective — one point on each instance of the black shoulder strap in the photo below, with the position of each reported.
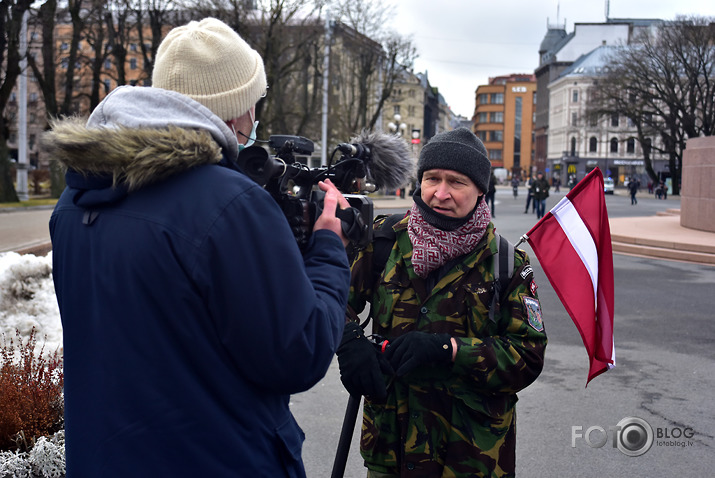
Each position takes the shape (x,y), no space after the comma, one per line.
(383,240)
(503,268)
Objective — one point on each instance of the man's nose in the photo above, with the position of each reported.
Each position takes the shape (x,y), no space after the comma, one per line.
(443,191)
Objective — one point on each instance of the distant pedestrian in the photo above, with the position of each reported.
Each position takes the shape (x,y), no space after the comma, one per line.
(515,185)
(661,191)
(491,192)
(557,184)
(529,184)
(540,191)
(633,188)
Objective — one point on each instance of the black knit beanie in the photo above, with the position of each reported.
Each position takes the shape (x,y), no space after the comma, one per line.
(459,150)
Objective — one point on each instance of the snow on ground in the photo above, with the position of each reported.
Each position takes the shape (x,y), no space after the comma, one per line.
(27,299)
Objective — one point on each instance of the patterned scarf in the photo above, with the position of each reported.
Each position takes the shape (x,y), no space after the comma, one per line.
(433,247)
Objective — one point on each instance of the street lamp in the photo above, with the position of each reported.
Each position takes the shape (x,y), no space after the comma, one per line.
(397,125)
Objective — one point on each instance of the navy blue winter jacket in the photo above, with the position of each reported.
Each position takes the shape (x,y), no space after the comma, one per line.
(188,311)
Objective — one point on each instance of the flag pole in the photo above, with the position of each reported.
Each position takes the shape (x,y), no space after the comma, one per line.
(522,239)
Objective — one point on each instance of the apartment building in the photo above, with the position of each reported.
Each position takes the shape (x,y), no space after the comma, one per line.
(576,144)
(558,148)
(503,119)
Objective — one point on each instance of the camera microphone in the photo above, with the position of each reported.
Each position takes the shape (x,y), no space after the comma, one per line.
(388,160)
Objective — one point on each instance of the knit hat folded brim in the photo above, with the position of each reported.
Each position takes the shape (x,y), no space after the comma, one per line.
(458,150)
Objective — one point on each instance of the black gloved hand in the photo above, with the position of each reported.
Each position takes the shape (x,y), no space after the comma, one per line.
(417,348)
(361,365)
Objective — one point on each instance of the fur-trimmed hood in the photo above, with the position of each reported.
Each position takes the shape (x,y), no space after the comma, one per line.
(141,135)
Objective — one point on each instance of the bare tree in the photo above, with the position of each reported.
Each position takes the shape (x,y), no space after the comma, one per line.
(377,70)
(664,82)
(153,17)
(288,34)
(11,14)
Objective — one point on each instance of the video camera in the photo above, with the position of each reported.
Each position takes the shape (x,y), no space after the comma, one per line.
(360,169)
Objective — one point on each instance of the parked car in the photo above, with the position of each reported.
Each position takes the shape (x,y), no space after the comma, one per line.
(608,185)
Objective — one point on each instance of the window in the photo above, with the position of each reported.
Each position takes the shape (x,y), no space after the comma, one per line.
(496,117)
(496,136)
(573,146)
(518,112)
(497,98)
(631,145)
(396,110)
(411,110)
(107,64)
(132,47)
(483,117)
(495,154)
(133,64)
(614,119)
(482,135)
(574,96)
(107,86)
(483,99)
(574,119)
(614,145)
(592,145)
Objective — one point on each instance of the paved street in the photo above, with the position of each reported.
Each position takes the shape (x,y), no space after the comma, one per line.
(664,373)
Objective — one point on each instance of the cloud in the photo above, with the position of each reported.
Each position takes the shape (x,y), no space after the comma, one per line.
(461,44)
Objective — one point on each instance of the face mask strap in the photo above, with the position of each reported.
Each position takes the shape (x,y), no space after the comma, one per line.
(252,135)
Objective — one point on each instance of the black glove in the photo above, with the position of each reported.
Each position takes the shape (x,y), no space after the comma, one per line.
(413,349)
(361,365)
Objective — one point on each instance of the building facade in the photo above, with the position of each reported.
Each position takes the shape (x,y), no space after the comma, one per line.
(558,79)
(504,120)
(578,144)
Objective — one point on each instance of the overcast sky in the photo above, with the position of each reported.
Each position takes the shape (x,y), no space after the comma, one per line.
(462,43)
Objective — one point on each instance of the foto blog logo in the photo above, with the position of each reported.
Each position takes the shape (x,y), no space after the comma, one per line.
(633,436)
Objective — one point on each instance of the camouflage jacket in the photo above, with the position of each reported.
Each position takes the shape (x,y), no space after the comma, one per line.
(457,419)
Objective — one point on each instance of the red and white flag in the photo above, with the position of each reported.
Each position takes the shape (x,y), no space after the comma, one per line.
(573,245)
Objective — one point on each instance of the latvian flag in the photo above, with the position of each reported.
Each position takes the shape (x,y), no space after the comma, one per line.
(573,245)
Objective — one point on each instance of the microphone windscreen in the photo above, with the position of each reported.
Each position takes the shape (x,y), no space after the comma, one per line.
(391,163)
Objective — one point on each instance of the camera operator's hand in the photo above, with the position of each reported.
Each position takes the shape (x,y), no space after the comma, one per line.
(328,220)
(361,365)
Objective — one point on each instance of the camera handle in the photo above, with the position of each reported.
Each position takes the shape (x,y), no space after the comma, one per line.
(352,224)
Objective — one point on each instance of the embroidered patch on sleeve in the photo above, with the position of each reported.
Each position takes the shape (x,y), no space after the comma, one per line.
(533,310)
(526,271)
(532,288)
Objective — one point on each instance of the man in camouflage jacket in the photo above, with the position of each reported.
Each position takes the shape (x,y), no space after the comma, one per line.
(440,397)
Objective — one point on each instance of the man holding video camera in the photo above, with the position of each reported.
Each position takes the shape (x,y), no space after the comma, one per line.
(458,339)
(189,313)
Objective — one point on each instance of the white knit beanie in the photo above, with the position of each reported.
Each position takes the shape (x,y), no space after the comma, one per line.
(208,62)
